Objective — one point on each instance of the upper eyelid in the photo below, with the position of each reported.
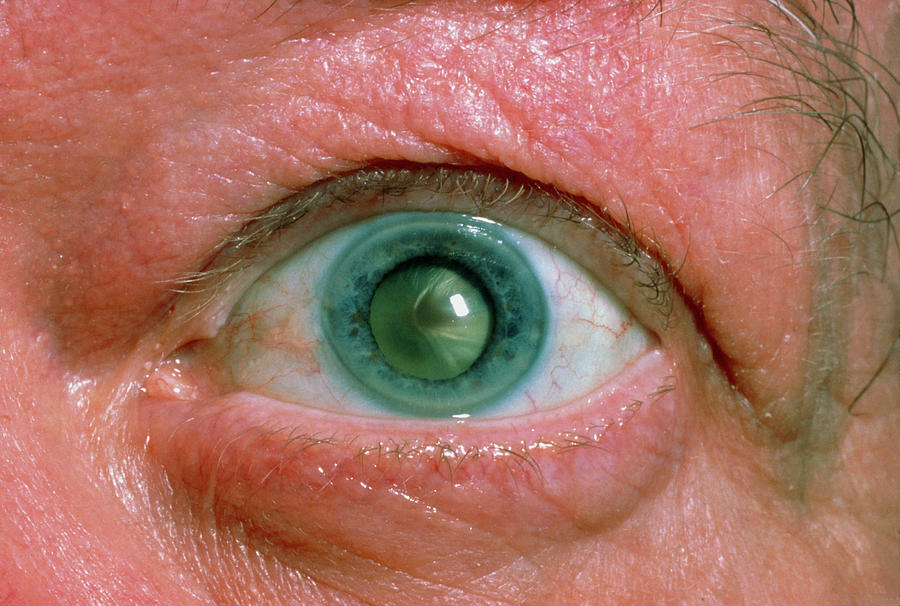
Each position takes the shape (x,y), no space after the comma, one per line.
(486,189)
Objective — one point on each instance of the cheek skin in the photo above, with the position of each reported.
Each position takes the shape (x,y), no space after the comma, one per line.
(119,179)
(65,535)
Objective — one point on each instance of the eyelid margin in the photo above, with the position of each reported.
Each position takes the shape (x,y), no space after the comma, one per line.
(488,191)
(657,425)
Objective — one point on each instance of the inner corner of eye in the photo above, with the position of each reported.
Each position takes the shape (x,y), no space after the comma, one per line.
(172,379)
(426,314)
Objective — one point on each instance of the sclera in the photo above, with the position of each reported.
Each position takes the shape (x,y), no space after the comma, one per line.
(273,342)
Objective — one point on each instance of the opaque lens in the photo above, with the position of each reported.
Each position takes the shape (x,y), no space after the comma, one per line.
(430,321)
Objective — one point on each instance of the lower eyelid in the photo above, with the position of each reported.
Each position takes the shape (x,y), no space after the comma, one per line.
(315,488)
(305,487)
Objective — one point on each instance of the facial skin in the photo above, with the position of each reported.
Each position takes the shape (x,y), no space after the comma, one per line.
(760,466)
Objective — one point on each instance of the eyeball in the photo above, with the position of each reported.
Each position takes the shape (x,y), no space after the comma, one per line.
(426,315)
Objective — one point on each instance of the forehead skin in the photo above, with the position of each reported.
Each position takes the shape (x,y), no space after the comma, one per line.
(134,139)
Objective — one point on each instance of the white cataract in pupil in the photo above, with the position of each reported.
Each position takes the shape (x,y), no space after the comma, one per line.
(273,342)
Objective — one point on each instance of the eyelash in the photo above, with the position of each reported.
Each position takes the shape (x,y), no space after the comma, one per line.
(245,432)
(487,189)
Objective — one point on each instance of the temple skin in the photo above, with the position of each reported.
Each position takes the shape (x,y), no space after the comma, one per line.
(136,137)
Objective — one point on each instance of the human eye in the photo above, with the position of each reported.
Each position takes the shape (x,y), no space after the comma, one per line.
(432,308)
(288,405)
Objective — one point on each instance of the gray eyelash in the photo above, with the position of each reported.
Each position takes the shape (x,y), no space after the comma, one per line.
(486,191)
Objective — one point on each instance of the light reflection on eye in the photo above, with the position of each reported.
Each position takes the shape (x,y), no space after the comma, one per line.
(542,334)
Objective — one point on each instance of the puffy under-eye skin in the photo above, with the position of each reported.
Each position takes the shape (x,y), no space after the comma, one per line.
(562,337)
(343,497)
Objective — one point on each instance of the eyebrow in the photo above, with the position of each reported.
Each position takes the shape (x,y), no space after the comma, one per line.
(843,88)
(839,88)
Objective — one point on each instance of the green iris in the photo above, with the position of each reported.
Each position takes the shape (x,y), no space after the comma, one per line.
(430,321)
(433,314)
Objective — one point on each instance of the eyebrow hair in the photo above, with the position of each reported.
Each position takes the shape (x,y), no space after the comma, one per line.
(842,89)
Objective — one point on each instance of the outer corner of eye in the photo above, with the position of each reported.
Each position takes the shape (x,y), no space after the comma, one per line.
(424,314)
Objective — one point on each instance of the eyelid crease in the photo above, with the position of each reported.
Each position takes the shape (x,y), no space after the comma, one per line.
(486,189)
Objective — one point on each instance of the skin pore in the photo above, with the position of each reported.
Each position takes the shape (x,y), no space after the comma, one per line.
(743,154)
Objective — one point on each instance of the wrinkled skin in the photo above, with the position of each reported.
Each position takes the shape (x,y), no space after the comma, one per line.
(135,137)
